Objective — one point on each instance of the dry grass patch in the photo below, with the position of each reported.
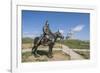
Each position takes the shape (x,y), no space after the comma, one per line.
(57,56)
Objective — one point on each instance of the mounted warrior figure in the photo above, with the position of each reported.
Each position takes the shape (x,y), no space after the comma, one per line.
(47,39)
(47,34)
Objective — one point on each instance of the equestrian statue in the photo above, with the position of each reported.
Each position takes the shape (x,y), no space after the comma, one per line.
(46,39)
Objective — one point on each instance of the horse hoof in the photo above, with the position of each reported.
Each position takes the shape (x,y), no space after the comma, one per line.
(32,53)
(50,56)
(36,55)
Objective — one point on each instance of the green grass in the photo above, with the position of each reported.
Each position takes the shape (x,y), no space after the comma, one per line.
(85,54)
(25,56)
(27,40)
(57,56)
(76,44)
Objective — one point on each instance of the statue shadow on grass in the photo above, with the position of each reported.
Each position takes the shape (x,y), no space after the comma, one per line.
(42,52)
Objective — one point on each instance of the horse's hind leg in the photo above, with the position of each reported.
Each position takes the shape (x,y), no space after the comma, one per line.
(33,48)
(34,51)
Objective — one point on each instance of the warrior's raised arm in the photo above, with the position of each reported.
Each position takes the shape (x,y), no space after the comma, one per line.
(46,22)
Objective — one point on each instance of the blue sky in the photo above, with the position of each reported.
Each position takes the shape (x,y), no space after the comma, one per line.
(33,22)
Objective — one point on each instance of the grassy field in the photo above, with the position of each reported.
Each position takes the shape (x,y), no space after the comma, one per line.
(74,44)
(27,40)
(57,56)
(85,54)
(30,45)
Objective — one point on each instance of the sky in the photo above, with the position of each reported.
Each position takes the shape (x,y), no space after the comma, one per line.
(33,22)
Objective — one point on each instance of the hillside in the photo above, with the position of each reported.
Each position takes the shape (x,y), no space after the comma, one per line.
(27,40)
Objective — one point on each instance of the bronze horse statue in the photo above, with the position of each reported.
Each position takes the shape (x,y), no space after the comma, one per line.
(47,42)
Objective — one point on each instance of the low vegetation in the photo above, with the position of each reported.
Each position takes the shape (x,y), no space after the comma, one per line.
(57,56)
(76,44)
(85,54)
(27,40)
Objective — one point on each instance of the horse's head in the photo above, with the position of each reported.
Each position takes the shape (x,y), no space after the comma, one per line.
(59,35)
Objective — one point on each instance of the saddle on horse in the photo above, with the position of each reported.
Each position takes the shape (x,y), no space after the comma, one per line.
(45,39)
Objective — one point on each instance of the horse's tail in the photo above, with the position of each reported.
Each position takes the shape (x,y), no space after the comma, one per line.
(36,39)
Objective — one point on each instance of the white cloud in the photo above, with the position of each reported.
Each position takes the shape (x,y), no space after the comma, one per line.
(78,28)
(61,31)
(31,35)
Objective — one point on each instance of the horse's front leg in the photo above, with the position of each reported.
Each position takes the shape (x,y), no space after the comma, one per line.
(50,50)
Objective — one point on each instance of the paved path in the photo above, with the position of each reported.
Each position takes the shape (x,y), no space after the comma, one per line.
(84,50)
(72,53)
